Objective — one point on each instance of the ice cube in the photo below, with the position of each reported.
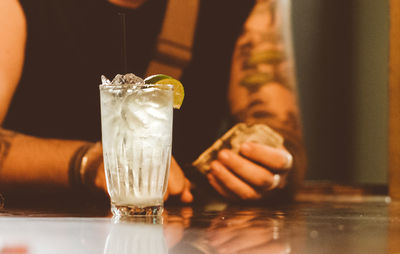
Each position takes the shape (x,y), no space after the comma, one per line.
(105,80)
(111,102)
(118,80)
(157,113)
(154,97)
(130,79)
(133,79)
(133,114)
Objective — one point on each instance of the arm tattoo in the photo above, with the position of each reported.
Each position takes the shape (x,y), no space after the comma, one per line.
(261,49)
(264,63)
(5,144)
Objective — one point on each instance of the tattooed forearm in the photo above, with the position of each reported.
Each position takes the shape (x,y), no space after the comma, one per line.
(262,79)
(262,84)
(261,50)
(5,144)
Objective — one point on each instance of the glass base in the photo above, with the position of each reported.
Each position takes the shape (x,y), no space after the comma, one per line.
(131,211)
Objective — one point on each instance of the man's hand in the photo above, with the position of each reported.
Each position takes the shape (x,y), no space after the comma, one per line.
(178,184)
(251,174)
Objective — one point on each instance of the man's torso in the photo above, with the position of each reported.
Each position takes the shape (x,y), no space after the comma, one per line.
(71,43)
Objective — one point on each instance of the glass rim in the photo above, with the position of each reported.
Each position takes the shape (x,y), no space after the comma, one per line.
(134,86)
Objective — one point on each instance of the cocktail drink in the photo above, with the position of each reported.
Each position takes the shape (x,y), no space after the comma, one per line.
(137,138)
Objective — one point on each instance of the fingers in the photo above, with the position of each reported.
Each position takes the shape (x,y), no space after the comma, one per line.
(246,238)
(272,247)
(219,233)
(219,187)
(178,184)
(176,180)
(252,173)
(234,176)
(231,182)
(271,157)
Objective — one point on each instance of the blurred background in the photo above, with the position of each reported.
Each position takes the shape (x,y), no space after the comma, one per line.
(342,69)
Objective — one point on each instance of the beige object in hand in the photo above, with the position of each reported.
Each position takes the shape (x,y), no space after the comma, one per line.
(233,138)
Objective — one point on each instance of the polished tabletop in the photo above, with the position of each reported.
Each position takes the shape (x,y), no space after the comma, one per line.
(317,225)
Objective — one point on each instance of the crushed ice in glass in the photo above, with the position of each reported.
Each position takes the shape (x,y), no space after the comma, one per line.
(105,81)
(127,79)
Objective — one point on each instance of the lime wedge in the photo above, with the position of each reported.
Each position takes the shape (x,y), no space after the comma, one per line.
(162,79)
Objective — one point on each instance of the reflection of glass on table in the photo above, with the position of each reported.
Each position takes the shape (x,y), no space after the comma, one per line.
(126,237)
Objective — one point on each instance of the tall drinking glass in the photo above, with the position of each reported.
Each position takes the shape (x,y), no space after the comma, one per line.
(137,138)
